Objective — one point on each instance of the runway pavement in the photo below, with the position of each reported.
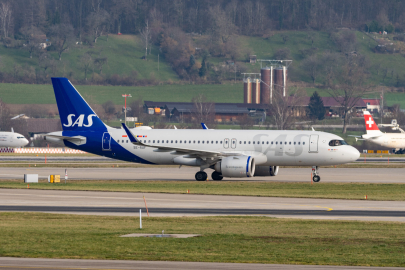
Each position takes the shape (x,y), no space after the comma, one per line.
(128,204)
(66,264)
(341,175)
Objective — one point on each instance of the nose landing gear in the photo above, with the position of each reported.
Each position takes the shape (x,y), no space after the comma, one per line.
(315,174)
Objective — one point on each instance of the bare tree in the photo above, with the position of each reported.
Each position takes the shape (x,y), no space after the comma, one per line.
(350,89)
(97,22)
(86,62)
(203,110)
(100,62)
(283,108)
(382,18)
(62,37)
(5,18)
(46,61)
(33,37)
(311,66)
(5,122)
(146,37)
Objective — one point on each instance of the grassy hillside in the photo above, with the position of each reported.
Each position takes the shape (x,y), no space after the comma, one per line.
(123,52)
(43,94)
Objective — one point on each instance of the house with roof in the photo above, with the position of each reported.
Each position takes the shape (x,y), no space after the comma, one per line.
(373,104)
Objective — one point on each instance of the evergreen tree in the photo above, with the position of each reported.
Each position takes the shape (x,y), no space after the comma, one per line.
(192,61)
(316,109)
(203,69)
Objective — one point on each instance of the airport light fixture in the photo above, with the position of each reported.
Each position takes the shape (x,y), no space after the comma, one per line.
(125,96)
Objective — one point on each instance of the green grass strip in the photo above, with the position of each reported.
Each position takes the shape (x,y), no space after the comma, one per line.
(349,191)
(224,239)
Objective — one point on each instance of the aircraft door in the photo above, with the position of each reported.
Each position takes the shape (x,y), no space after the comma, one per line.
(233,143)
(313,143)
(226,143)
(11,137)
(106,141)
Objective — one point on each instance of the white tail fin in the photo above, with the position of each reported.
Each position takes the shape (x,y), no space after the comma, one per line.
(371,126)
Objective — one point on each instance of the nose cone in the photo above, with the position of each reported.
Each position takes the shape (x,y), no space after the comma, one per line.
(25,141)
(353,154)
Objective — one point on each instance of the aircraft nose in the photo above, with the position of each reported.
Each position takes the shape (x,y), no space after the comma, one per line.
(26,141)
(354,154)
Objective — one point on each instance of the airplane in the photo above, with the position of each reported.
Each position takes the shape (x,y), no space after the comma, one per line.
(229,153)
(390,140)
(12,139)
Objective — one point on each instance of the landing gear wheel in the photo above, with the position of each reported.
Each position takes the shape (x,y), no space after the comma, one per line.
(201,176)
(216,176)
(316,178)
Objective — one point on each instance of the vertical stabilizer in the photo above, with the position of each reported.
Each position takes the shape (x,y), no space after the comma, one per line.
(371,126)
(75,114)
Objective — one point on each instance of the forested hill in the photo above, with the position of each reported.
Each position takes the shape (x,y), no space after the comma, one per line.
(201,16)
(135,42)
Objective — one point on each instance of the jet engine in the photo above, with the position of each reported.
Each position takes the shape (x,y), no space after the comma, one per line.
(237,166)
(266,170)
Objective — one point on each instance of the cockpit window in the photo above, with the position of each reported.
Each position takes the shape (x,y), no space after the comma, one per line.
(337,142)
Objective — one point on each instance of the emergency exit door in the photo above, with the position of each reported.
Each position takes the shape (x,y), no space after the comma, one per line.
(313,143)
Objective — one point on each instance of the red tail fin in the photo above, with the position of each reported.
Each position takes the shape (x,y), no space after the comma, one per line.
(370,123)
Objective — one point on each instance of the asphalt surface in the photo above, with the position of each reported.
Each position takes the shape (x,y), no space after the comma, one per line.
(67,264)
(128,204)
(57,264)
(341,175)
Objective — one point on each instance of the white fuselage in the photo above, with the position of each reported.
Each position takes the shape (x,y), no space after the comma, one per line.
(12,139)
(390,140)
(268,147)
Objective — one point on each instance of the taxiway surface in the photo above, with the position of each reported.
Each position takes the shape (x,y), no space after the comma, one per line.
(341,175)
(67,264)
(128,204)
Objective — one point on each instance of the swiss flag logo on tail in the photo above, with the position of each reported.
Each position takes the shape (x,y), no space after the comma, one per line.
(370,123)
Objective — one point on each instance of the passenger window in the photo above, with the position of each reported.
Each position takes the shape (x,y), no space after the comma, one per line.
(176,141)
(303,143)
(295,143)
(148,141)
(267,142)
(249,142)
(216,142)
(158,141)
(253,142)
(299,143)
(171,141)
(290,143)
(193,141)
(244,142)
(258,142)
(180,141)
(185,141)
(208,142)
(202,141)
(276,142)
(198,141)
(220,142)
(212,142)
(240,142)
(189,141)
(271,142)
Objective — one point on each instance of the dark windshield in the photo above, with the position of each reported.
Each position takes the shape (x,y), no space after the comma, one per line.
(337,142)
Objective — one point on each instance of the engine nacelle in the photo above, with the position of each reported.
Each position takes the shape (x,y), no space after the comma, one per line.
(266,170)
(237,166)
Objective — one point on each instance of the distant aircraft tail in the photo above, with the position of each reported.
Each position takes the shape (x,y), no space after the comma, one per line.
(75,113)
(371,126)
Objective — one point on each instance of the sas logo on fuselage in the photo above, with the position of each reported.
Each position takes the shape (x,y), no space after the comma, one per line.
(79,121)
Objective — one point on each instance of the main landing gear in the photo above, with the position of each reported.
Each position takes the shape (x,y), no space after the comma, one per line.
(315,174)
(201,176)
(216,176)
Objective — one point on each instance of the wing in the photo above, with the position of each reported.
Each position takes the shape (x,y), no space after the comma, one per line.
(191,153)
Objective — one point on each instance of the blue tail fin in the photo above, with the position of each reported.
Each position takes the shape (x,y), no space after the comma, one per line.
(74,112)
